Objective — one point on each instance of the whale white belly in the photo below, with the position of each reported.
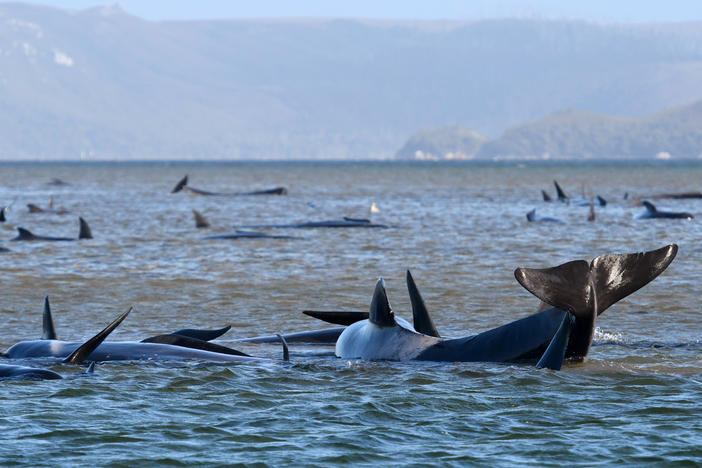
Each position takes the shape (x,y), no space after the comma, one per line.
(365,340)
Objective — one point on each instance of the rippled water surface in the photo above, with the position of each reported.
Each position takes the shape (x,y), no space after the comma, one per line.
(460,228)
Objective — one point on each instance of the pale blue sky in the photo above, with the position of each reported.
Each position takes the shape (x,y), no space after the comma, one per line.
(621,11)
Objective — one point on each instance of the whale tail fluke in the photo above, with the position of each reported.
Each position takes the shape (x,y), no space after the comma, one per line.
(380,312)
(588,290)
(48,331)
(179,186)
(89,346)
(420,315)
(582,288)
(84,232)
(617,276)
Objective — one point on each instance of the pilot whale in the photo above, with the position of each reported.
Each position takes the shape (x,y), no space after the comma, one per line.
(26,235)
(345,222)
(155,348)
(577,291)
(651,212)
(532,218)
(183,185)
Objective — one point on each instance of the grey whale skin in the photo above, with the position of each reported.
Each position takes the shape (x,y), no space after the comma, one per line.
(10,371)
(577,291)
(183,185)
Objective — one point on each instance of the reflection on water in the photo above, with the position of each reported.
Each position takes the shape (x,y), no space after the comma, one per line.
(461,228)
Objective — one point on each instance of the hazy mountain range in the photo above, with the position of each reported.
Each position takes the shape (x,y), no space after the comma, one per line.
(571,134)
(104,84)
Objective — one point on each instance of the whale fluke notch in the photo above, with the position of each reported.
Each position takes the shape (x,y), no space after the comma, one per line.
(48,331)
(555,352)
(84,232)
(200,220)
(89,346)
(422,320)
(180,185)
(337,317)
(380,312)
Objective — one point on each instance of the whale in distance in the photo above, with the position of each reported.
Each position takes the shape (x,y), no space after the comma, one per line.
(26,235)
(183,185)
(532,218)
(652,212)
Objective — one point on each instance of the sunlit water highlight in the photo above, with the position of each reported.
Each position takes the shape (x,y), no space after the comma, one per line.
(461,229)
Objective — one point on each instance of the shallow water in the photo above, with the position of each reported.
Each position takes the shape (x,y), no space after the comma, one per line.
(461,229)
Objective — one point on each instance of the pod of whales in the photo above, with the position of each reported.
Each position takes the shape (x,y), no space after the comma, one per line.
(183,185)
(574,293)
(652,212)
(26,235)
(179,346)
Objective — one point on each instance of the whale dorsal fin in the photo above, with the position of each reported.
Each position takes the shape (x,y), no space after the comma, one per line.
(2,214)
(84,232)
(559,191)
(546,196)
(601,201)
(89,346)
(531,216)
(179,186)
(380,312)
(25,234)
(48,331)
(200,220)
(420,315)
(649,206)
(34,208)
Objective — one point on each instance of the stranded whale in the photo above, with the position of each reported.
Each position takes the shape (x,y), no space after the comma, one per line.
(26,235)
(651,212)
(345,222)
(183,185)
(577,292)
(155,348)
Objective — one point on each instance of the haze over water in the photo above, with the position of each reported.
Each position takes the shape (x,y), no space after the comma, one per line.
(461,229)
